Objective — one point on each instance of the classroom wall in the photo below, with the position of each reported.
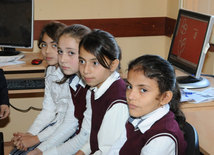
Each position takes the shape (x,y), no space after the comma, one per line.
(91,9)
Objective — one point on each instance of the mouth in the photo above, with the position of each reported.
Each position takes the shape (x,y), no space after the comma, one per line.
(48,58)
(87,79)
(64,67)
(132,106)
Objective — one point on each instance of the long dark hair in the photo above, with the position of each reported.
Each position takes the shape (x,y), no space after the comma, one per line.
(155,67)
(102,45)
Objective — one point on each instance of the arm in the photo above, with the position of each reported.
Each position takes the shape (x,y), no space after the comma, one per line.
(113,124)
(75,143)
(4,99)
(48,111)
(160,145)
(64,130)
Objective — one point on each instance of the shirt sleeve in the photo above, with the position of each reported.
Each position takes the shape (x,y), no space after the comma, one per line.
(159,145)
(75,143)
(48,110)
(4,99)
(114,124)
(63,131)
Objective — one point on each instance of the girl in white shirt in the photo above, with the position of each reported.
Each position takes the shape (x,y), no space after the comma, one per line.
(68,46)
(155,123)
(99,60)
(57,101)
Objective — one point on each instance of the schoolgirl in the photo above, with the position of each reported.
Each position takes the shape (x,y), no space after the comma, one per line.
(155,122)
(99,58)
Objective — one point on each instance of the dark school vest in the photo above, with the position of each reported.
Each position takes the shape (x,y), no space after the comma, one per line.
(115,94)
(136,140)
(79,100)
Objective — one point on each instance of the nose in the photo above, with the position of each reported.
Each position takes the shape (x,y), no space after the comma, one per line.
(86,69)
(63,57)
(131,94)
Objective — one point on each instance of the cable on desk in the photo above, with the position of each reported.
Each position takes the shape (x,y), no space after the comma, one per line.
(210,75)
(25,110)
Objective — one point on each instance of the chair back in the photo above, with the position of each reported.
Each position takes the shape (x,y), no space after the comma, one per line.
(191,137)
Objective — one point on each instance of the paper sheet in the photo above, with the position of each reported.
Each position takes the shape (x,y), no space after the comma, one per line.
(197,96)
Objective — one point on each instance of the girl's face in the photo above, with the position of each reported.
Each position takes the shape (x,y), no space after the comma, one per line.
(92,72)
(49,50)
(68,54)
(142,94)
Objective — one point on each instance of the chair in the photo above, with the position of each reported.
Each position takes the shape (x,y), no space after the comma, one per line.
(191,137)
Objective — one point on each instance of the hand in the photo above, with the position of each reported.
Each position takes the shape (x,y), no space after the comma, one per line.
(17,140)
(80,153)
(36,151)
(4,111)
(29,140)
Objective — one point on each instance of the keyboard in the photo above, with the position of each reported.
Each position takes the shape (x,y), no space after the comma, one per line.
(28,83)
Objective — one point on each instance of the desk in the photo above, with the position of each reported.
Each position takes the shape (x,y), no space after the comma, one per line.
(26,70)
(201,117)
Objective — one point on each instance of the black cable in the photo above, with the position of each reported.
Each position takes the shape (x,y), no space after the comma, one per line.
(210,75)
(26,110)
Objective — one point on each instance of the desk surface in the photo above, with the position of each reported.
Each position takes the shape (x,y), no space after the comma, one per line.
(26,70)
(27,66)
(200,116)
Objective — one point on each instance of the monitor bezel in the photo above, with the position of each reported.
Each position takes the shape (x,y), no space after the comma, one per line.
(193,72)
(3,46)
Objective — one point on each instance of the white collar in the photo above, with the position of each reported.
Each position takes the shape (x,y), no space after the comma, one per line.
(75,81)
(150,118)
(98,92)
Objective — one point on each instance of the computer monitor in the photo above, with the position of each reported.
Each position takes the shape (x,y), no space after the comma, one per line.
(16,26)
(189,45)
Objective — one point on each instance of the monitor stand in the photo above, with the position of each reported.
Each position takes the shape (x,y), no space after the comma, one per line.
(192,82)
(9,52)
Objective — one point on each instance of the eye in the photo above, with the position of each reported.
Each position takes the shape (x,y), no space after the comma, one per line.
(143,90)
(60,51)
(54,45)
(96,63)
(81,61)
(128,86)
(42,45)
(71,53)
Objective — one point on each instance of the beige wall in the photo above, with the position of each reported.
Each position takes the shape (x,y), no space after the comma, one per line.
(76,9)
(79,9)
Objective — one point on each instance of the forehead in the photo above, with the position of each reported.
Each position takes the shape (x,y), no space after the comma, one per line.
(138,78)
(86,54)
(46,38)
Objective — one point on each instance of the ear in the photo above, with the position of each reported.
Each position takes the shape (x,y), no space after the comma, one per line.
(114,65)
(166,97)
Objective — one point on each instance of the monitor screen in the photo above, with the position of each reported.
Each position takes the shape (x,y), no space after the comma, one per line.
(16,23)
(190,41)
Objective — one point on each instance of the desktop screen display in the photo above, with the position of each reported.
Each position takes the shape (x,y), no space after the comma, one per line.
(189,38)
(16,23)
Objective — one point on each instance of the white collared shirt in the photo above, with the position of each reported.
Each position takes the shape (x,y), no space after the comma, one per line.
(113,122)
(157,146)
(58,108)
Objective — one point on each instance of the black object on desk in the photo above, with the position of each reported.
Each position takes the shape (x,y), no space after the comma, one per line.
(27,83)
(1,144)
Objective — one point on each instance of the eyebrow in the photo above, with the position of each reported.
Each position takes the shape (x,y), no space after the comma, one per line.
(140,85)
(90,59)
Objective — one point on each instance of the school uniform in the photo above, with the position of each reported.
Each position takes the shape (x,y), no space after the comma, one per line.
(109,115)
(155,133)
(72,145)
(56,122)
